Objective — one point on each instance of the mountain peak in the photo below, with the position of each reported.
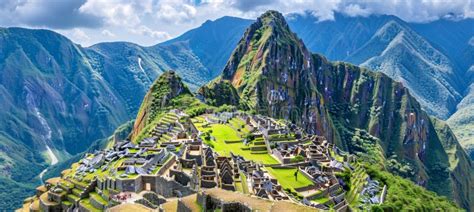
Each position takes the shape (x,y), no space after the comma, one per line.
(264,43)
(390,29)
(167,87)
(272,15)
(273,20)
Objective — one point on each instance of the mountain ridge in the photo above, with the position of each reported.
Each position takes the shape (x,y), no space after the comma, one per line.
(398,46)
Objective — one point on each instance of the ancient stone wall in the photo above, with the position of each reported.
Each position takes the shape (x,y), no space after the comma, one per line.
(132,185)
(180,177)
(168,187)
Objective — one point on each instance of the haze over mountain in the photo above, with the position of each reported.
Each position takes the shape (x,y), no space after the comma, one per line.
(58,95)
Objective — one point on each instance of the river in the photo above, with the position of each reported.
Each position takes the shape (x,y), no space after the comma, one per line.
(54,160)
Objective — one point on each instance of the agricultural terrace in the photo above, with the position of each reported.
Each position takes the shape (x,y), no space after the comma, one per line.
(227,138)
(286,178)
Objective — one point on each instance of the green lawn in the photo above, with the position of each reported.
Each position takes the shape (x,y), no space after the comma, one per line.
(199,122)
(222,132)
(237,123)
(321,200)
(336,156)
(287,179)
(133,150)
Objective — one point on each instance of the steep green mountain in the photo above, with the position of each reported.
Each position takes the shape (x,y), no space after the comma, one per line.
(160,96)
(274,74)
(53,103)
(437,55)
(439,50)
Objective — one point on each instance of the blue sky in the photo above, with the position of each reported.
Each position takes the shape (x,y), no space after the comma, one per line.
(148,22)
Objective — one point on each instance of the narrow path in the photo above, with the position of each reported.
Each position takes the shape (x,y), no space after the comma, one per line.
(54,160)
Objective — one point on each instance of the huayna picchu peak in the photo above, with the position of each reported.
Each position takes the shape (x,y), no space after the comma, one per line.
(280,129)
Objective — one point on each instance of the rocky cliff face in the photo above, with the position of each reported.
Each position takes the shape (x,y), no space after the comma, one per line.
(274,74)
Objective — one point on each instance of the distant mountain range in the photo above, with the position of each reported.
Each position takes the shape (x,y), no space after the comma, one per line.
(57,95)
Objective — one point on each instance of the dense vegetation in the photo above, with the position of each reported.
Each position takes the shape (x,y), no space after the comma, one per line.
(404,195)
(219,93)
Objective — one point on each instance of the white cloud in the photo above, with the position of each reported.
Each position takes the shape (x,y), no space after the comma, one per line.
(46,13)
(411,10)
(168,18)
(79,36)
(107,33)
(145,31)
(356,10)
(117,12)
(176,11)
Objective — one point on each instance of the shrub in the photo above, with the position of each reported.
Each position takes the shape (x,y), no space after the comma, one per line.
(297,159)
